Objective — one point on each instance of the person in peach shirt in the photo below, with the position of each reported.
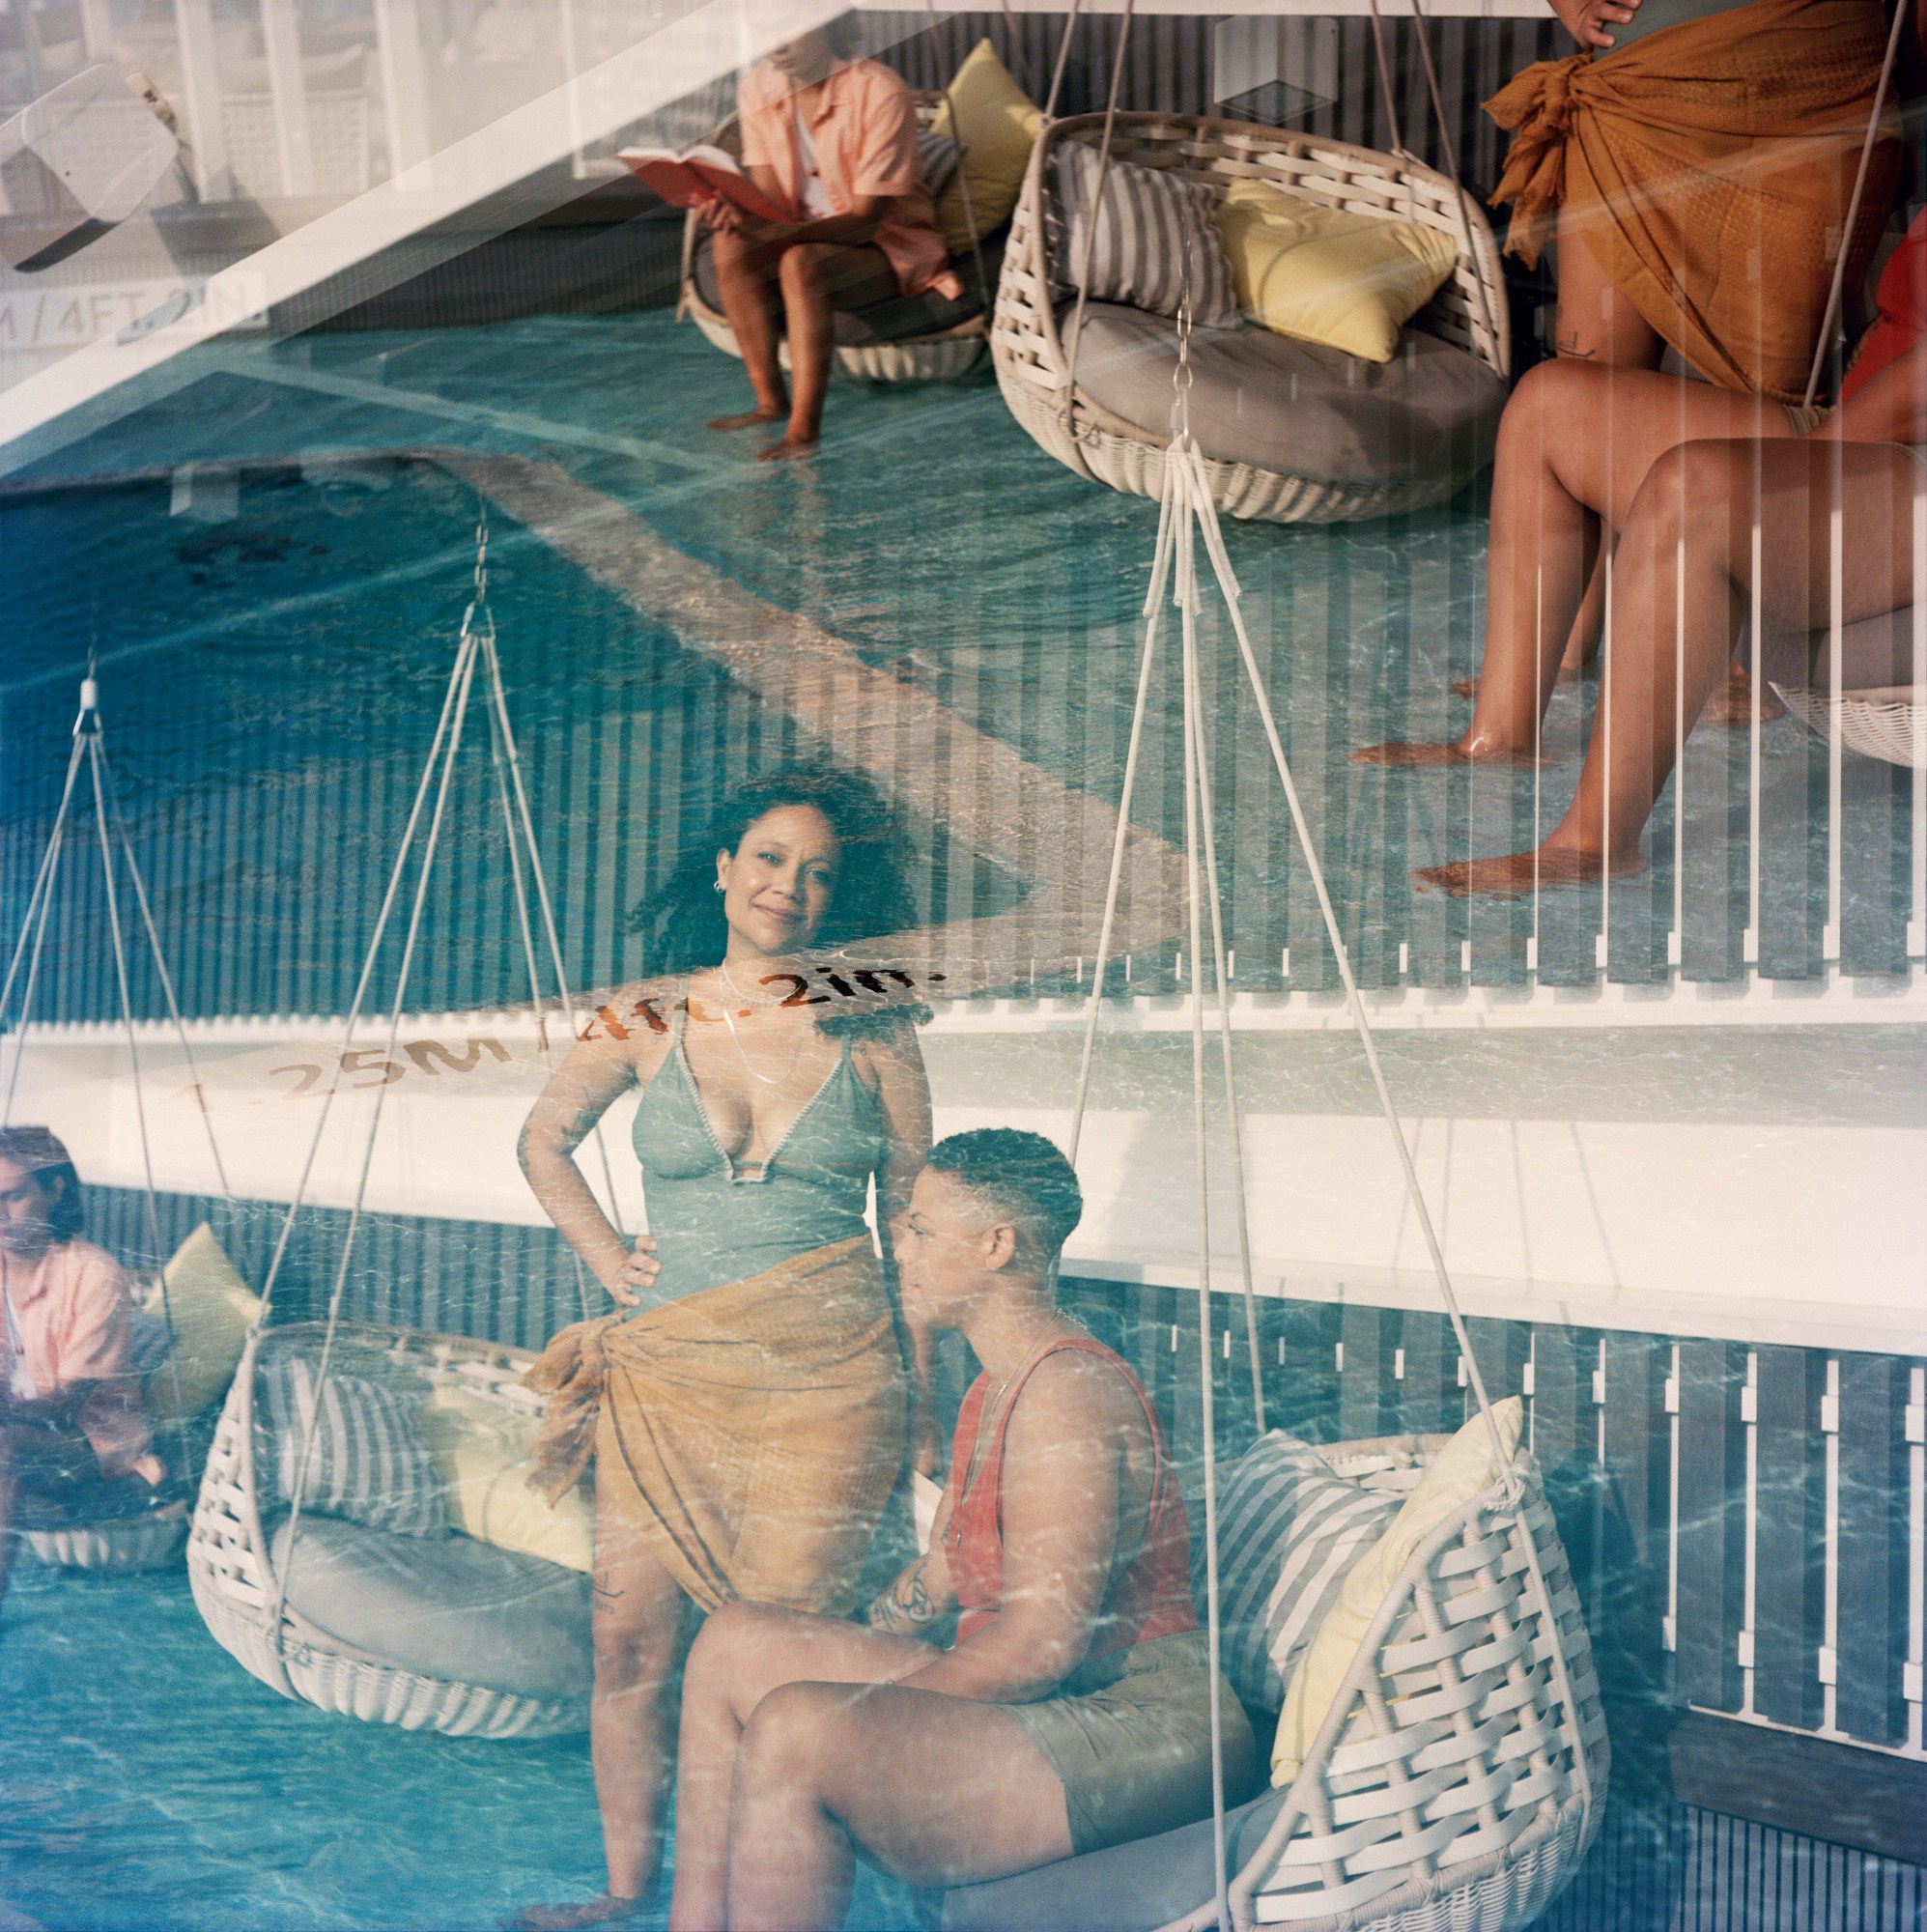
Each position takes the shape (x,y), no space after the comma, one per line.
(74,1444)
(836,140)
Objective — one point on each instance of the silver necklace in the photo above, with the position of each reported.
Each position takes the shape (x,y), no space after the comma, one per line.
(750,1068)
(748,999)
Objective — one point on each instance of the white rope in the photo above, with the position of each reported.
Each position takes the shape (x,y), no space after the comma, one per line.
(1448,148)
(508,778)
(1062,59)
(294,1205)
(466,667)
(166,978)
(1835,295)
(1186,589)
(1090,215)
(963,161)
(35,921)
(92,738)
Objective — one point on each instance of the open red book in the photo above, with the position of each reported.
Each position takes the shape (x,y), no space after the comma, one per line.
(684,179)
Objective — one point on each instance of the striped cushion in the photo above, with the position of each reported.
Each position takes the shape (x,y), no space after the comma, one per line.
(937,159)
(1154,229)
(1289,1529)
(369,1463)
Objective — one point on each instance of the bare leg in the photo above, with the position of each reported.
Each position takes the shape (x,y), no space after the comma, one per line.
(937,1790)
(1682,580)
(746,273)
(1575,446)
(743,1652)
(642,1625)
(1595,323)
(818,278)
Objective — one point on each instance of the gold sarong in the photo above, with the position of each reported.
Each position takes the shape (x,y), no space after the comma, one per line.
(1708,167)
(751,1434)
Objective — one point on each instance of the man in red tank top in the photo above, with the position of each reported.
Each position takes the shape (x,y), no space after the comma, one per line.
(1074,1707)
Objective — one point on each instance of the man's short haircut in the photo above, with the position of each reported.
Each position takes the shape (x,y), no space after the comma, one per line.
(1021,1177)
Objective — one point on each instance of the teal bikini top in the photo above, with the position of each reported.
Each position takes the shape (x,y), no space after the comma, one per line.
(713,1226)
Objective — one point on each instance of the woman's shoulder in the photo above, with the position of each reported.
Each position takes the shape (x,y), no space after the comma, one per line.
(642,1010)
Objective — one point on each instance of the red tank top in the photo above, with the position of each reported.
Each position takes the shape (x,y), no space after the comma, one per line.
(1902,311)
(1150,1597)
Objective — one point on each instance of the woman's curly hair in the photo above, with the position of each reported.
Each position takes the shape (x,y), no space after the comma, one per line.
(682,922)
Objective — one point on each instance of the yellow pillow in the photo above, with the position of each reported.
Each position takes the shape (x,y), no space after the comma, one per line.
(1461,1470)
(998,125)
(1351,281)
(213,1310)
(481,1453)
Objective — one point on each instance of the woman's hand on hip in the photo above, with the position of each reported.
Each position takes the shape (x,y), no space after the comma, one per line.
(1589,22)
(632,1275)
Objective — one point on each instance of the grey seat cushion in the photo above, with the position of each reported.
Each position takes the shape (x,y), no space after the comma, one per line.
(897,320)
(1875,653)
(450,1609)
(1130,1887)
(1296,408)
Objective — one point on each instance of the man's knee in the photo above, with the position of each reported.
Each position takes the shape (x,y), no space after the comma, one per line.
(788,1735)
(805,269)
(1696,489)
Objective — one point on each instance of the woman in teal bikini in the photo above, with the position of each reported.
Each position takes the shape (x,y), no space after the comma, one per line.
(745,1411)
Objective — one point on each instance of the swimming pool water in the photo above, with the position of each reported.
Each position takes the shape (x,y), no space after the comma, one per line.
(932,535)
(148,1784)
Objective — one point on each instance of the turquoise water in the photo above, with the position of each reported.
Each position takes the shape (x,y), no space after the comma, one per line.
(150,1785)
(293,657)
(932,535)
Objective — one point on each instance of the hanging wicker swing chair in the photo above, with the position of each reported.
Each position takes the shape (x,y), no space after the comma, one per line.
(1036,371)
(153,1540)
(242,1593)
(873,353)
(1456,1781)
(261,1485)
(1457,1775)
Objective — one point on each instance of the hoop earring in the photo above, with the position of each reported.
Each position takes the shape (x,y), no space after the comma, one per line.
(721,887)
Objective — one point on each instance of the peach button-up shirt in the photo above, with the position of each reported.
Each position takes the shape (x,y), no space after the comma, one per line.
(71,1313)
(864,132)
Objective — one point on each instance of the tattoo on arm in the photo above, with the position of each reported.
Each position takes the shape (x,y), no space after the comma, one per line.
(906,1609)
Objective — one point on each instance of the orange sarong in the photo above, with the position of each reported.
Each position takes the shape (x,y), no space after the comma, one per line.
(1708,167)
(751,1434)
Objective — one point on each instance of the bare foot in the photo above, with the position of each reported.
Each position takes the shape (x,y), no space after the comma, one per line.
(607,1910)
(1513,877)
(1400,752)
(788,449)
(749,419)
(1403,751)
(1732,703)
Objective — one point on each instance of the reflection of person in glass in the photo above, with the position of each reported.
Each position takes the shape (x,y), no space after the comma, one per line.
(746,1411)
(834,140)
(1073,1711)
(74,1445)
(1716,502)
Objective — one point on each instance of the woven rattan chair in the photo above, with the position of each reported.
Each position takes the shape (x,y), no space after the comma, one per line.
(1890,724)
(1034,368)
(231,1568)
(141,1543)
(1459,1776)
(941,357)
